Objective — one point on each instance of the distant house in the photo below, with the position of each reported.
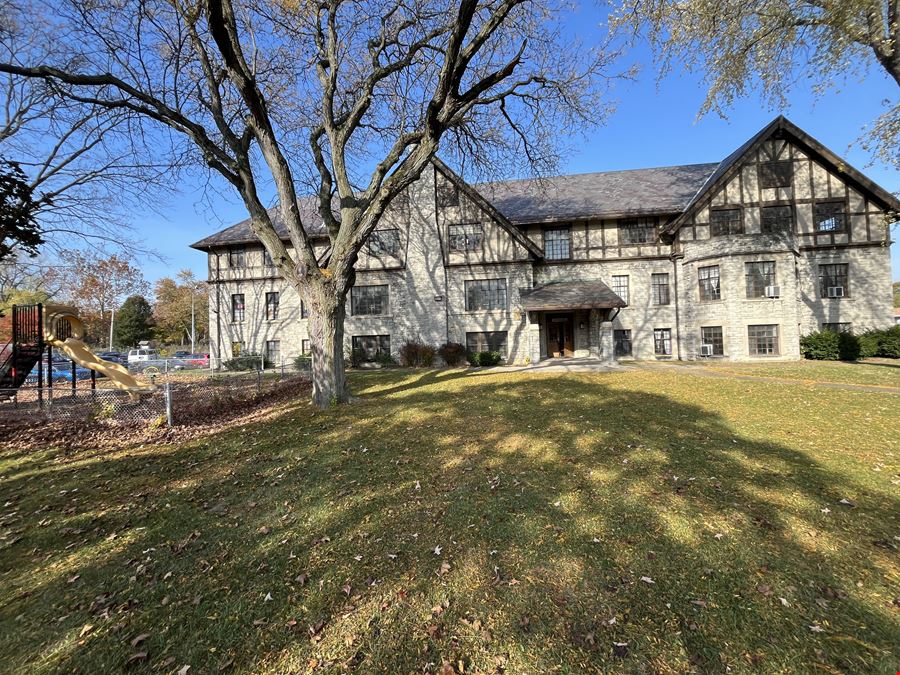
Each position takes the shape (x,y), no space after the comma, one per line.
(734,260)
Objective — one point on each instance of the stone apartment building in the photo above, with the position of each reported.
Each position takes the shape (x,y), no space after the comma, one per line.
(728,260)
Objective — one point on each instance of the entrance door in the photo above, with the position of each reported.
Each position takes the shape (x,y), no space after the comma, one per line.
(561,334)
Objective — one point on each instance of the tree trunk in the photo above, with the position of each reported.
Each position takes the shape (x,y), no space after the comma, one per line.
(326,336)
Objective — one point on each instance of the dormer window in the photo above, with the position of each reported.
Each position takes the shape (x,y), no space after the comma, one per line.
(464,237)
(776,174)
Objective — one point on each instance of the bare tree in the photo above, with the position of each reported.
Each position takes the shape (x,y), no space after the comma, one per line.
(83,165)
(351,97)
(771,45)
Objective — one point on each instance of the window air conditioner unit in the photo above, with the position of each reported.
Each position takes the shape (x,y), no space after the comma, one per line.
(706,350)
(772,291)
(835,291)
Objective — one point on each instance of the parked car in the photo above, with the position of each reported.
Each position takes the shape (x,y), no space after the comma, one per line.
(61,372)
(114,357)
(181,355)
(142,355)
(199,360)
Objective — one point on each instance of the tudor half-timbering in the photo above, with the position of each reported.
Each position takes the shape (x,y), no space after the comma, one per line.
(733,260)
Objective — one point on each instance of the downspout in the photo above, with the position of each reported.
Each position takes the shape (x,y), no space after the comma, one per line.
(677,316)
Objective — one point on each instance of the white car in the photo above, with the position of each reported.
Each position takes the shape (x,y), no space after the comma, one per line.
(141,355)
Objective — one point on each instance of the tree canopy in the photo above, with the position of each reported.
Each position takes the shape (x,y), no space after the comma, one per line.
(18,212)
(134,322)
(346,100)
(772,45)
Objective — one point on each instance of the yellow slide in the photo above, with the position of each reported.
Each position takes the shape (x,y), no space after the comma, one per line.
(55,316)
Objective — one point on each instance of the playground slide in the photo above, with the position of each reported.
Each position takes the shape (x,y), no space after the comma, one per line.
(57,317)
(117,374)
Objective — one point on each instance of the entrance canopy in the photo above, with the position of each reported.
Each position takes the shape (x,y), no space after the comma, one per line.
(562,295)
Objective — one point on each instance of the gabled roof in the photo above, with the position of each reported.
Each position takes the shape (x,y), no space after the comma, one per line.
(783,128)
(561,295)
(488,208)
(607,194)
(240,233)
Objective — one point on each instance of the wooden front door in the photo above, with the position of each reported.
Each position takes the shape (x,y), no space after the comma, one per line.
(561,334)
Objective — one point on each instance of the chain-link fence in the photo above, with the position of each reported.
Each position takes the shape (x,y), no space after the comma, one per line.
(179,398)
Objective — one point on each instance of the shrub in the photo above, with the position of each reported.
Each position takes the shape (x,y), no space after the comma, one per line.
(889,345)
(417,354)
(869,344)
(884,343)
(247,361)
(385,359)
(823,345)
(485,359)
(303,362)
(452,353)
(848,347)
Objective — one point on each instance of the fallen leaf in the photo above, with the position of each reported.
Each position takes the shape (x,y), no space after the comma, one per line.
(816,628)
(136,658)
(437,550)
(784,602)
(647,580)
(765,589)
(139,639)
(87,628)
(268,597)
(183,670)
(301,579)
(347,588)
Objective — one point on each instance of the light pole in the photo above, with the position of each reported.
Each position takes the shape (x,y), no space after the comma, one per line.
(193,322)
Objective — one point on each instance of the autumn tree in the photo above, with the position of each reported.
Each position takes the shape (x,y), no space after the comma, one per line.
(774,44)
(97,284)
(181,303)
(134,322)
(348,100)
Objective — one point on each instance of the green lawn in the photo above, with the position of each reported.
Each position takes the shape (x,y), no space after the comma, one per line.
(643,521)
(872,372)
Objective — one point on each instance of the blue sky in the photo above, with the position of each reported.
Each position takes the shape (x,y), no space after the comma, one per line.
(653,126)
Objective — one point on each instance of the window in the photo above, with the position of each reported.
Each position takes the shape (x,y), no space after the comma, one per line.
(304,310)
(237,307)
(709,283)
(366,300)
(304,347)
(637,231)
(370,347)
(273,352)
(712,335)
(834,276)
(465,237)
(725,221)
(620,286)
(237,258)
(236,349)
(662,341)
(776,219)
(447,194)
(267,259)
(487,342)
(763,340)
(272,300)
(485,294)
(558,243)
(776,174)
(622,342)
(384,242)
(659,288)
(838,327)
(759,276)
(830,217)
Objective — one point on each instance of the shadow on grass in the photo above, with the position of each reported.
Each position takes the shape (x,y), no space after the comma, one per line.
(583,526)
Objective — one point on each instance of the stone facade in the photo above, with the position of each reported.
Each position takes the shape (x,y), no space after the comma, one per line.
(776,241)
